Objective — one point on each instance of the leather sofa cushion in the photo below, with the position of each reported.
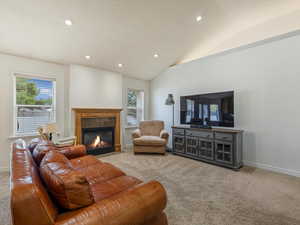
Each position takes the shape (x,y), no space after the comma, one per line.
(149,140)
(100,172)
(33,143)
(84,161)
(41,150)
(113,186)
(55,156)
(45,146)
(69,187)
(72,152)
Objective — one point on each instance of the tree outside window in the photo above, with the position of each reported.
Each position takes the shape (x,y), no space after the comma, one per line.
(34,102)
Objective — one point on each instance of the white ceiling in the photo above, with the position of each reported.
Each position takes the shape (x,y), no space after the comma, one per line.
(128,31)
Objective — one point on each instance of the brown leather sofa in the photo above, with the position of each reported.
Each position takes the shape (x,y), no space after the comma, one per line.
(69,190)
(150,137)
(39,148)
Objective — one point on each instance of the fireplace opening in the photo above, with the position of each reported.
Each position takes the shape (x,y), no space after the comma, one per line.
(98,140)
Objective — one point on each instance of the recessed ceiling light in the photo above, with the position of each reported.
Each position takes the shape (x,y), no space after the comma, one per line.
(155,55)
(87,57)
(199,18)
(120,65)
(68,22)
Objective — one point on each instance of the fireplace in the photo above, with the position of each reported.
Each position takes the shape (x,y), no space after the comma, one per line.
(99,140)
(98,129)
(98,134)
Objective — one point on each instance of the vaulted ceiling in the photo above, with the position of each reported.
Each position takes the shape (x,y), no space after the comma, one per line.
(130,32)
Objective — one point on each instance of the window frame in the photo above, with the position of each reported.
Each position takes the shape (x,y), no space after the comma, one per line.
(15,113)
(143,112)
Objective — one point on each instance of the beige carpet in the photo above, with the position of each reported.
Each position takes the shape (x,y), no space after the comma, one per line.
(203,194)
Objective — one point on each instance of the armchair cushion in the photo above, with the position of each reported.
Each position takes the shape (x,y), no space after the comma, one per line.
(136,133)
(150,141)
(151,127)
(69,187)
(164,134)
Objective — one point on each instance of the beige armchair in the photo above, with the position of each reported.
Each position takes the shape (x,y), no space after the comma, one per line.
(150,137)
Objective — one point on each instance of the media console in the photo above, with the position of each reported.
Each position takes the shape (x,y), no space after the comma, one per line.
(219,146)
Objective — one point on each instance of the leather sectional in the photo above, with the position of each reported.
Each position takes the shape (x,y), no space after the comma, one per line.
(51,186)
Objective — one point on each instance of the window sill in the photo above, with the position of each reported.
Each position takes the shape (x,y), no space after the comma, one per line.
(23,136)
(131,127)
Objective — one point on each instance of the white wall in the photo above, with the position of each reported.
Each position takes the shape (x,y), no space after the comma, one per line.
(10,65)
(95,88)
(265,78)
(138,85)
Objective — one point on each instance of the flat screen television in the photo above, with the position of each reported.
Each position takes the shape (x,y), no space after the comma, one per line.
(215,109)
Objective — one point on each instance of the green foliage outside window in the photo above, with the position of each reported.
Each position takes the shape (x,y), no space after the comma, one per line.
(27,92)
(132,96)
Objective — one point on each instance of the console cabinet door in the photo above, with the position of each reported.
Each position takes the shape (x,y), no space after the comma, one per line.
(206,149)
(178,144)
(224,152)
(191,145)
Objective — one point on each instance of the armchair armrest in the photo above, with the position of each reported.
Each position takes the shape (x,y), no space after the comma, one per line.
(135,206)
(72,152)
(136,134)
(164,134)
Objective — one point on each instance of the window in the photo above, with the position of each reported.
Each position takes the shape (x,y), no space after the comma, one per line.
(34,104)
(135,107)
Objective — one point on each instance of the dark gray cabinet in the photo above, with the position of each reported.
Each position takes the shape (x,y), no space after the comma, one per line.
(224,152)
(178,143)
(219,146)
(206,149)
(191,146)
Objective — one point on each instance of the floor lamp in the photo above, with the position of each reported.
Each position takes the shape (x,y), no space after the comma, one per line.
(170,101)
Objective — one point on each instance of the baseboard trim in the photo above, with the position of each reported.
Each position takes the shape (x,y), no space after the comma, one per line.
(128,146)
(273,168)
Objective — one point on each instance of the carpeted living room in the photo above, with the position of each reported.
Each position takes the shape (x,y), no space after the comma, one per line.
(149,112)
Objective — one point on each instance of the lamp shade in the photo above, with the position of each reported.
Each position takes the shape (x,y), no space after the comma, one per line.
(170,100)
(50,128)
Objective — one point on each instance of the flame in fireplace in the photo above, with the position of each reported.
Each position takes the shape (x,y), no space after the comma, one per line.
(97,141)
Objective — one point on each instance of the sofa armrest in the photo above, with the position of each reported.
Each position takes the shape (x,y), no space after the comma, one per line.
(73,151)
(135,206)
(164,134)
(136,134)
